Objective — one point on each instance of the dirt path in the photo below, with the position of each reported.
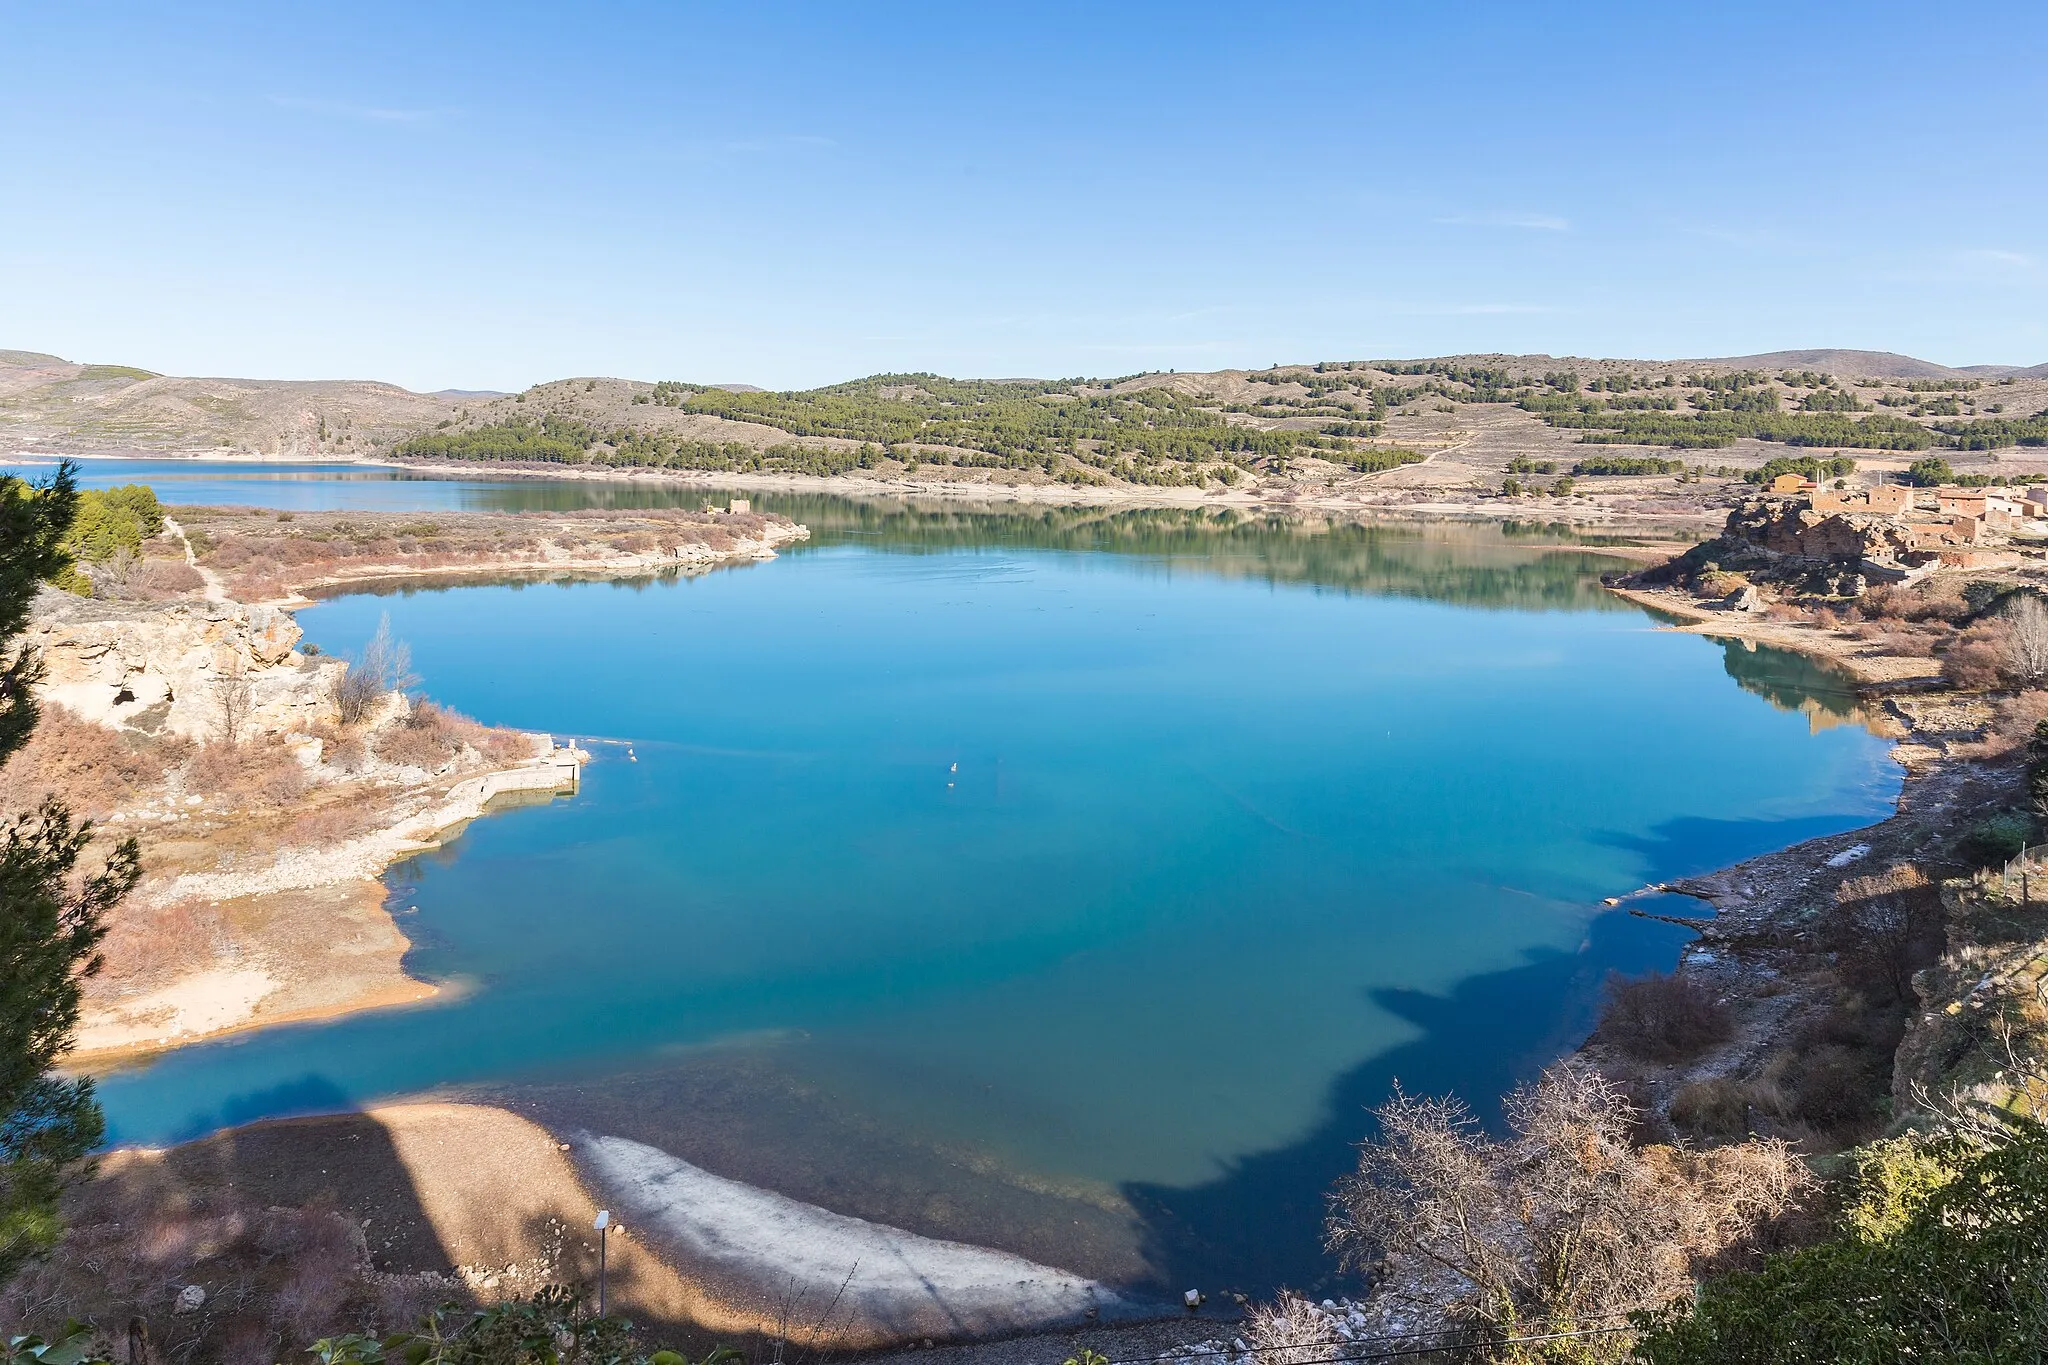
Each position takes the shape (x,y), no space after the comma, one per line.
(215,592)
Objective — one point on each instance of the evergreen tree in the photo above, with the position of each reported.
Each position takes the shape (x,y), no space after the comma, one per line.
(51,921)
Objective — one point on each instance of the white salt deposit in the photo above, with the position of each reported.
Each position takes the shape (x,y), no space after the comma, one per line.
(764,1244)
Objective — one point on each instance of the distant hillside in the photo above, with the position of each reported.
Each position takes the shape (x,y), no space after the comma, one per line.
(1450,421)
(1848,364)
(54,403)
(1454,422)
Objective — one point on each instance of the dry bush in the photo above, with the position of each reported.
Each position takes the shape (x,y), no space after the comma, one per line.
(424,739)
(1290,1331)
(1718,583)
(263,586)
(1721,1108)
(1559,1220)
(147,943)
(260,772)
(1882,928)
(145,580)
(386,667)
(333,822)
(1832,1085)
(1662,1018)
(1976,662)
(94,769)
(2026,645)
(1907,643)
(432,736)
(1936,599)
(2013,724)
(229,552)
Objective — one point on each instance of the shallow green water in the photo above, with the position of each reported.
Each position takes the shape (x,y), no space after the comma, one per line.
(1064,882)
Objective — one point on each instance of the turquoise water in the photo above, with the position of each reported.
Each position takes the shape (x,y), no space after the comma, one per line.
(1066,882)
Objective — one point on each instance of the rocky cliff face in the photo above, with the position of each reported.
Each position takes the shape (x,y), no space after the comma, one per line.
(1796,530)
(174,667)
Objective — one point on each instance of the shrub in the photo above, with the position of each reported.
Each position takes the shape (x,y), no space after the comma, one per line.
(1973,665)
(1997,839)
(1290,1331)
(1717,1108)
(1662,1018)
(386,667)
(1958,1270)
(1719,583)
(1833,1085)
(1560,1220)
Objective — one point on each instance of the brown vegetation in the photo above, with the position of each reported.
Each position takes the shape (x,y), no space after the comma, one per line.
(1562,1222)
(261,554)
(92,769)
(1662,1017)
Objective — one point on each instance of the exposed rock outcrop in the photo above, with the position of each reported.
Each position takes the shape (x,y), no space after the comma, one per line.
(160,667)
(1790,544)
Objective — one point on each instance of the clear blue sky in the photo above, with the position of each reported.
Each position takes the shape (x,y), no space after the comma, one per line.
(486,195)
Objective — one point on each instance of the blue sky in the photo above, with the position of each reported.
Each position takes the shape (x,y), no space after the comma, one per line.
(491,195)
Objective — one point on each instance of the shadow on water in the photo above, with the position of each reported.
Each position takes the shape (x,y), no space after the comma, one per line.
(1260,1225)
(1691,845)
(308,1095)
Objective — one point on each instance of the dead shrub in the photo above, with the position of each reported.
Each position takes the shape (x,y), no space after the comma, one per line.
(423,739)
(1974,665)
(335,822)
(2013,726)
(276,1278)
(1906,643)
(1882,928)
(1833,1085)
(261,771)
(145,580)
(1718,583)
(1290,1331)
(94,769)
(229,552)
(146,943)
(1561,1218)
(1662,1017)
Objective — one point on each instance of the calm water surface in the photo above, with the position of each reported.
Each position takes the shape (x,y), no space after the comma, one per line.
(1063,881)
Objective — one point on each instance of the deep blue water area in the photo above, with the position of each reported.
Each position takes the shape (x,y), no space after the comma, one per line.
(1065,881)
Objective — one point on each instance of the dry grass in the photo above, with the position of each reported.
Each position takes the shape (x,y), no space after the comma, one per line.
(147,945)
(259,772)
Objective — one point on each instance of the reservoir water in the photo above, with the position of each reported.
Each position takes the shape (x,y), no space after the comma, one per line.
(1059,880)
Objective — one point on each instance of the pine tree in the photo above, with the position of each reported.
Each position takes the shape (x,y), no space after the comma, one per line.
(51,921)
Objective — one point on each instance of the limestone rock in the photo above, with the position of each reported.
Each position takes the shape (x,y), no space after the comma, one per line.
(157,666)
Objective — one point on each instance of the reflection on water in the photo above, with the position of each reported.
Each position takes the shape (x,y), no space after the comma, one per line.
(1795,682)
(1516,564)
